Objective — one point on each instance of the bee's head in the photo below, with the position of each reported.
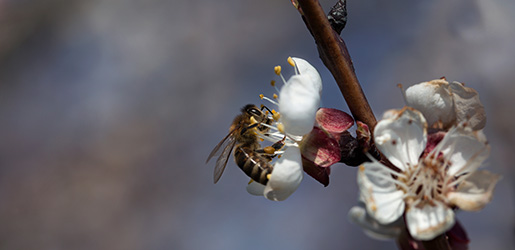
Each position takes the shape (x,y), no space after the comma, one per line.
(253,110)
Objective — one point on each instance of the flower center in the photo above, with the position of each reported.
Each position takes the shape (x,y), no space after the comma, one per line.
(425,182)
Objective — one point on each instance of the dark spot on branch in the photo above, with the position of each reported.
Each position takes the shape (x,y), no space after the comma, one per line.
(338,16)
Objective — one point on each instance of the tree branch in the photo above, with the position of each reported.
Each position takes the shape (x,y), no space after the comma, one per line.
(336,58)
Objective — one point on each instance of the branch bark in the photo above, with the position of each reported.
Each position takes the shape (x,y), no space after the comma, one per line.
(336,58)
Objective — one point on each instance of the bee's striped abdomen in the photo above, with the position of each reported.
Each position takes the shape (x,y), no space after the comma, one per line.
(254,165)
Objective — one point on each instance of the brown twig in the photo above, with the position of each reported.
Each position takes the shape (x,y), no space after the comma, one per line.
(438,243)
(334,55)
(336,58)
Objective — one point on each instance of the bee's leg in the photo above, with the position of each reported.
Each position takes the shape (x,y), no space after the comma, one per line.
(267,152)
(260,151)
(279,145)
(249,127)
(270,150)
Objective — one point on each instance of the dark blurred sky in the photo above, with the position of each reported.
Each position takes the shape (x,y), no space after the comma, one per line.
(109,108)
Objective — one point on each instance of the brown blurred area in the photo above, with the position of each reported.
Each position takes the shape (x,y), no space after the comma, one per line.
(108,110)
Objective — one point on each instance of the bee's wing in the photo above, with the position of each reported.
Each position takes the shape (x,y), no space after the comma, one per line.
(221,145)
(223,158)
(226,145)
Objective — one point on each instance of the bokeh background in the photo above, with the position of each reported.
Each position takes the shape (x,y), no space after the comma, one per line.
(108,110)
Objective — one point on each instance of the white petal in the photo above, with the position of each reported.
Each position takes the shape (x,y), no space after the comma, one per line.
(383,200)
(429,221)
(286,176)
(256,188)
(371,227)
(402,137)
(307,69)
(467,105)
(299,101)
(464,149)
(434,100)
(475,192)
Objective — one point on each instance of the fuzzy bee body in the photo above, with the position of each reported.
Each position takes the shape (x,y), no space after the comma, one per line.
(248,154)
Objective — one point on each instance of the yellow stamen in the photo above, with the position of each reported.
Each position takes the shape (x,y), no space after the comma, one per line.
(280,127)
(268,176)
(279,156)
(275,96)
(250,181)
(291,62)
(261,96)
(275,115)
(269,150)
(261,139)
(277,70)
(272,83)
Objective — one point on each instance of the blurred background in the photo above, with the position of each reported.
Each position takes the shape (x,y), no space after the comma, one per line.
(109,109)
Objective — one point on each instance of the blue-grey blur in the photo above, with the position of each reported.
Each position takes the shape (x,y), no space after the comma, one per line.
(109,108)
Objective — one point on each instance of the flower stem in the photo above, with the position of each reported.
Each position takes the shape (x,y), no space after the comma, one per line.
(438,243)
(336,58)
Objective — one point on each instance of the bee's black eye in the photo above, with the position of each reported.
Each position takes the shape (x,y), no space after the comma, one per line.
(255,111)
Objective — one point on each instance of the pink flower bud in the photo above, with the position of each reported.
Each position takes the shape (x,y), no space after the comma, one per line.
(334,121)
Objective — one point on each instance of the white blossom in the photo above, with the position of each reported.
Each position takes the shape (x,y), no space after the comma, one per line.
(447,103)
(372,227)
(426,186)
(285,177)
(299,99)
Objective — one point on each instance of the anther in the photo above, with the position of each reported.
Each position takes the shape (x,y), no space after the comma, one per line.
(275,96)
(291,62)
(280,127)
(272,83)
(261,96)
(277,70)
(250,181)
(275,115)
(268,176)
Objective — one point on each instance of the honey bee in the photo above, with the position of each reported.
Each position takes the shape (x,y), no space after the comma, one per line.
(248,154)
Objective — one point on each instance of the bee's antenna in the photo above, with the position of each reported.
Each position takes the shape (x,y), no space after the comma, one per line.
(265,107)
